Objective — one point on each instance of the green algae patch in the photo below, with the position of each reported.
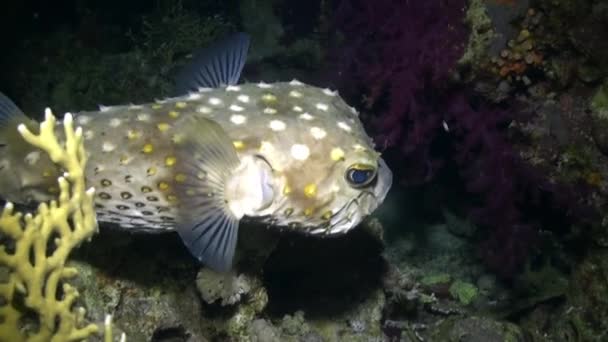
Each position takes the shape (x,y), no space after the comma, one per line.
(464,292)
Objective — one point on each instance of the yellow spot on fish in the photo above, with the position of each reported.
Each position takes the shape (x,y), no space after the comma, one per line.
(310,190)
(47,173)
(238,144)
(300,151)
(202,175)
(171,198)
(173,114)
(286,189)
(151,171)
(170,161)
(309,211)
(146,189)
(180,177)
(162,185)
(163,126)
(337,154)
(269,98)
(181,105)
(326,215)
(157,106)
(133,134)
(177,138)
(269,110)
(277,125)
(238,119)
(125,159)
(148,148)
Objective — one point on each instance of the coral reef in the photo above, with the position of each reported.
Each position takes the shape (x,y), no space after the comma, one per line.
(38,301)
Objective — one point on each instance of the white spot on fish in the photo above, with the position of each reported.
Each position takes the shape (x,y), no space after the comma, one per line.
(236,108)
(143,116)
(295,82)
(194,96)
(277,125)
(322,106)
(318,133)
(83,119)
(108,146)
(103,108)
(238,119)
(264,85)
(243,98)
(32,157)
(353,110)
(329,92)
(269,110)
(204,89)
(115,122)
(214,101)
(297,108)
(306,117)
(300,151)
(233,88)
(133,106)
(204,110)
(89,134)
(343,125)
(295,93)
(445,126)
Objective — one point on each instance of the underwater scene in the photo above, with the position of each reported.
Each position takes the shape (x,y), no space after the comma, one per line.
(304,171)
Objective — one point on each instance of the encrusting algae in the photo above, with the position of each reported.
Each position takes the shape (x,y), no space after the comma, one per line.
(35,248)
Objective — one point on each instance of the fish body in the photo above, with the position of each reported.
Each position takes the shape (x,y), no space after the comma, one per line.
(288,154)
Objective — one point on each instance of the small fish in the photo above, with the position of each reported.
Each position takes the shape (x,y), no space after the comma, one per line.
(287,154)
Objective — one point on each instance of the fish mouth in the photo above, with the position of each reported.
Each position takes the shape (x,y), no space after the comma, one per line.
(351,214)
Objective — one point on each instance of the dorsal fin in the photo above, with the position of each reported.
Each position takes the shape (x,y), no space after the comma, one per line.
(217,65)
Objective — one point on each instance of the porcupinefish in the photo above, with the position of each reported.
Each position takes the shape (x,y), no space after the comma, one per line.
(287,154)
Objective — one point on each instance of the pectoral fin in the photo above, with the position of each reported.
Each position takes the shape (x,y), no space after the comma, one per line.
(206,159)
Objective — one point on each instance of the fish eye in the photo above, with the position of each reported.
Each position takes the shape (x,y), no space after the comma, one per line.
(360,175)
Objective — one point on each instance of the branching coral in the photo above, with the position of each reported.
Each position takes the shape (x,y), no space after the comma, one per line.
(38,247)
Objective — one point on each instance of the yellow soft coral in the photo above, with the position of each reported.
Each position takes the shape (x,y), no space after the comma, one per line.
(39,245)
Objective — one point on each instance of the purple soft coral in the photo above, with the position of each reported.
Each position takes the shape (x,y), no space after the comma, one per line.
(402,55)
